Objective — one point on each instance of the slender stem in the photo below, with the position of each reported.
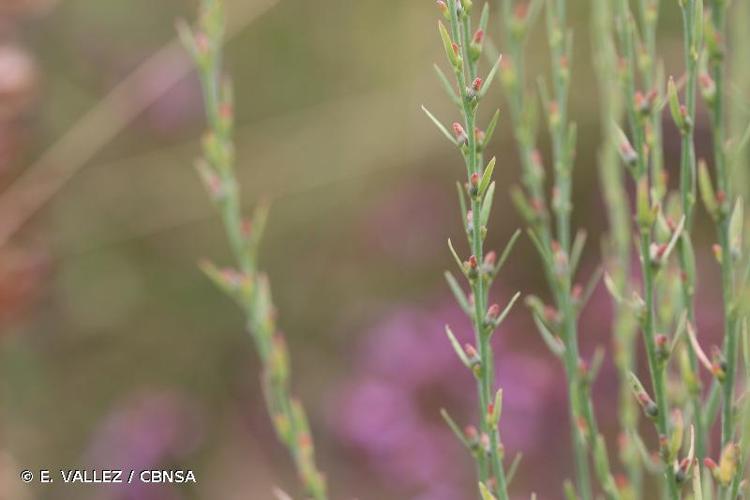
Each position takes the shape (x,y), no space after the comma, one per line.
(687,197)
(657,368)
(618,245)
(246,285)
(489,461)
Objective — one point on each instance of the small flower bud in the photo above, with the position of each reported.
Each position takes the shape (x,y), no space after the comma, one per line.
(475,48)
(490,259)
(476,85)
(460,133)
(708,88)
(662,347)
(493,313)
(443,8)
(472,262)
(628,154)
(474,179)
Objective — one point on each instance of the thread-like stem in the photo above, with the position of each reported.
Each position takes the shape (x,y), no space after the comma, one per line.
(618,245)
(246,284)
(640,172)
(463,48)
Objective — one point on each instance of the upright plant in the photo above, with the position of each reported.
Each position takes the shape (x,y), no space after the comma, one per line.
(245,283)
(616,247)
(463,48)
(551,232)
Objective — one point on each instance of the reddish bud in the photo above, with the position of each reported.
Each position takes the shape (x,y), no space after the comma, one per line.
(471,433)
(476,85)
(474,179)
(442,7)
(710,464)
(493,312)
(490,259)
(472,354)
(478,37)
(472,262)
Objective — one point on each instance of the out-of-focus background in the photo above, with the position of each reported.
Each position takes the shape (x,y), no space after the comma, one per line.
(115,351)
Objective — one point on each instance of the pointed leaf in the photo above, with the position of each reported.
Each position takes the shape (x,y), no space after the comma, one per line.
(457,347)
(440,126)
(487,176)
(487,205)
(458,292)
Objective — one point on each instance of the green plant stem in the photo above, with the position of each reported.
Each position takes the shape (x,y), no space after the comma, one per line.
(687,197)
(718,12)
(584,428)
(461,33)
(657,369)
(246,285)
(617,247)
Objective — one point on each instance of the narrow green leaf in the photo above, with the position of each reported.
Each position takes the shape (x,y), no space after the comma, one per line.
(507,309)
(457,347)
(491,127)
(674,105)
(458,293)
(462,204)
(708,195)
(490,78)
(673,241)
(447,86)
(498,406)
(575,253)
(506,251)
(513,468)
(736,225)
(487,176)
(698,24)
(452,424)
(448,45)
(487,205)
(455,256)
(484,18)
(440,126)
(588,291)
(553,343)
(697,487)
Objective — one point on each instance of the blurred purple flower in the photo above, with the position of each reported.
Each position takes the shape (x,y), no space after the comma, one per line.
(389,233)
(406,371)
(145,432)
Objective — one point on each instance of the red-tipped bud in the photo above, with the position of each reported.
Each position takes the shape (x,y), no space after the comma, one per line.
(478,37)
(476,85)
(474,179)
(471,434)
(460,133)
(472,262)
(710,464)
(456,49)
(443,7)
